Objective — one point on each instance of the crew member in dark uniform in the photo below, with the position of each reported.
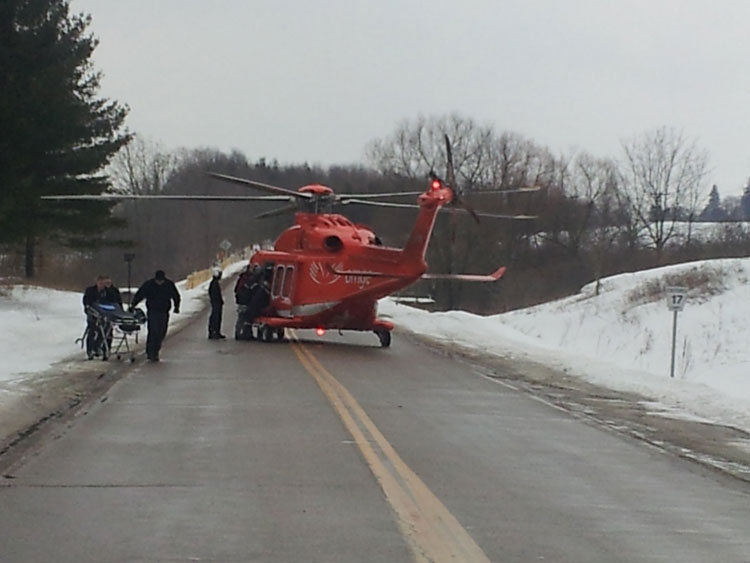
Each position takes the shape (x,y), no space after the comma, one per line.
(248,280)
(159,293)
(101,292)
(217,304)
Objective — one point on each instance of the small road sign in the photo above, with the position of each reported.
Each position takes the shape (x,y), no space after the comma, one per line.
(676,298)
(225,245)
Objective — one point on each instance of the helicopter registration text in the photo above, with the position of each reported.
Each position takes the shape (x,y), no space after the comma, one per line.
(361,281)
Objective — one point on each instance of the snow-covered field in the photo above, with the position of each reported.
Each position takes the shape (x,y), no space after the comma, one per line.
(40,326)
(620,339)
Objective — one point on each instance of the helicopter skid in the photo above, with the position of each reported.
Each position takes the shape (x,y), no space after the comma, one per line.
(304,323)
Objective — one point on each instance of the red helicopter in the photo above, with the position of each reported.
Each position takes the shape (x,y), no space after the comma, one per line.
(326,272)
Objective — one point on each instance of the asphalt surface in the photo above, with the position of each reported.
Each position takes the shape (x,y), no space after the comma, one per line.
(333,449)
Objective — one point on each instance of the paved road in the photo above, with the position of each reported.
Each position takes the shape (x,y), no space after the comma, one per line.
(337,450)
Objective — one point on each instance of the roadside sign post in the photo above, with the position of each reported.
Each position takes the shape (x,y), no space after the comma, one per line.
(225,245)
(675,302)
(129,257)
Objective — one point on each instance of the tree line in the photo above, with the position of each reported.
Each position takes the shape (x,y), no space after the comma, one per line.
(594,215)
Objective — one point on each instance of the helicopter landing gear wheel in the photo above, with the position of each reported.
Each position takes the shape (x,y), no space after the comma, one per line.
(243,331)
(266,333)
(384,336)
(280,334)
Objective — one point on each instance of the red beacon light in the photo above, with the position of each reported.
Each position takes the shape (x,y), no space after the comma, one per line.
(436,185)
(320,331)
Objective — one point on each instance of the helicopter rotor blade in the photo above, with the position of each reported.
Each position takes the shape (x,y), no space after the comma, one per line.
(526,189)
(442,209)
(450,173)
(277,211)
(259,185)
(345,198)
(495,215)
(127,197)
(358,201)
(458,200)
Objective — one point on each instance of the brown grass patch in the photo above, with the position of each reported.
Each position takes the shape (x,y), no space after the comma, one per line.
(702,282)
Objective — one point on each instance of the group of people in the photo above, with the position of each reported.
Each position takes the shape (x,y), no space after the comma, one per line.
(252,295)
(159,293)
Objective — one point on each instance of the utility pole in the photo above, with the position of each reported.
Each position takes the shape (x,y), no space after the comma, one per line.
(129,257)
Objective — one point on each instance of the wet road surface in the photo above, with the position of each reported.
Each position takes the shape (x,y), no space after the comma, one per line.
(334,449)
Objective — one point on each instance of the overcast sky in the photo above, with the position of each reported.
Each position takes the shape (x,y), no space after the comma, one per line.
(314,81)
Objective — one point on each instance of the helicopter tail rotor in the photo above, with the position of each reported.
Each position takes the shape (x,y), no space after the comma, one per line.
(458,200)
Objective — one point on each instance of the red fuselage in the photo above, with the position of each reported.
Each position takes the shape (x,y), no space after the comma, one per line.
(330,273)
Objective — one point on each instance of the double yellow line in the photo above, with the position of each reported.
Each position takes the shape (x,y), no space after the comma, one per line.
(431,531)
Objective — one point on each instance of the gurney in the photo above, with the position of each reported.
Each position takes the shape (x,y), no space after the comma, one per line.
(113,326)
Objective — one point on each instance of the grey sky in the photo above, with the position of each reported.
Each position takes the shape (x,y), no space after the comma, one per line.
(314,81)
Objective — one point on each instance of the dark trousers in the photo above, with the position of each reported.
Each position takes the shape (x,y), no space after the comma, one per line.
(93,335)
(157,330)
(214,321)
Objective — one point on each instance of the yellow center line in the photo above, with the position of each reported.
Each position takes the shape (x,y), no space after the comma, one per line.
(432,532)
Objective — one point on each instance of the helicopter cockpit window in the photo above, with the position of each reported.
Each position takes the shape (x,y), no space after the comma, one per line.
(278,279)
(286,289)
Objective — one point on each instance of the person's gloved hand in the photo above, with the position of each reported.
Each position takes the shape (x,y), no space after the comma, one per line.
(176,309)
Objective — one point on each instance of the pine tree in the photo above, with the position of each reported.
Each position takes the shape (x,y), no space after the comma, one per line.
(745,202)
(713,210)
(56,135)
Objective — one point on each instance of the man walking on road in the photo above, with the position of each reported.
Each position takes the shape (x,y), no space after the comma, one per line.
(159,293)
(217,304)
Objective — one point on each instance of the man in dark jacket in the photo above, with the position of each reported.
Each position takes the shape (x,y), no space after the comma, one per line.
(101,292)
(159,293)
(245,289)
(217,303)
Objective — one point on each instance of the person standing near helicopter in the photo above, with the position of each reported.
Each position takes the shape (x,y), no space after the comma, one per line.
(217,304)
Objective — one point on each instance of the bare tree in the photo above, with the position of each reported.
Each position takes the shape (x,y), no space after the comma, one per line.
(600,187)
(482,162)
(590,179)
(142,167)
(417,148)
(664,173)
(514,161)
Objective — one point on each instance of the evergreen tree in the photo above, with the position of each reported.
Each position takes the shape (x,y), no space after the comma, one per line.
(56,135)
(713,210)
(745,202)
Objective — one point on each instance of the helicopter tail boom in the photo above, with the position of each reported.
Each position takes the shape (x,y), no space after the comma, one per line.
(494,276)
